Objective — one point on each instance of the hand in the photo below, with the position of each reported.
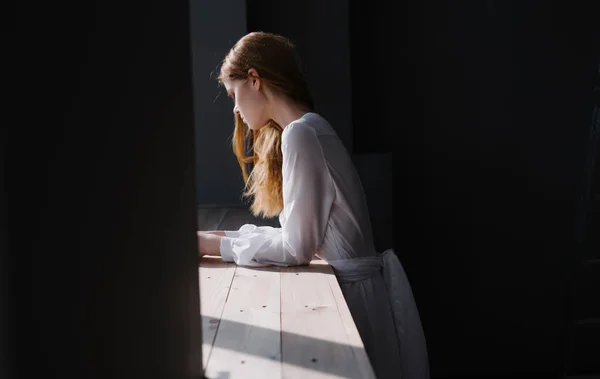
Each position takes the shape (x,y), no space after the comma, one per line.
(209,243)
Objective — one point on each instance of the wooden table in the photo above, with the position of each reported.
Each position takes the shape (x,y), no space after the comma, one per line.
(275,322)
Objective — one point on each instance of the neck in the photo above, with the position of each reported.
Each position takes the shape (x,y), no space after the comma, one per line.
(284,111)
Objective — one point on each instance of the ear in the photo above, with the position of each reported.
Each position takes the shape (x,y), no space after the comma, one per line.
(254,79)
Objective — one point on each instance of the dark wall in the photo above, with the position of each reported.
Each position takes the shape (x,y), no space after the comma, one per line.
(212,36)
(100,193)
(583,307)
(5,279)
(491,163)
(378,77)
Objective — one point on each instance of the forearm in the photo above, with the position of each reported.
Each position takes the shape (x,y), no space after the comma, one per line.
(209,243)
(214,232)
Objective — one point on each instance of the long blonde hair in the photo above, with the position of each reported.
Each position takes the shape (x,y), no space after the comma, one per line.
(277,63)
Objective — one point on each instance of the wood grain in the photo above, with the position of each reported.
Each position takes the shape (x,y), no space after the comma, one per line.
(276,323)
(248,342)
(215,280)
(315,339)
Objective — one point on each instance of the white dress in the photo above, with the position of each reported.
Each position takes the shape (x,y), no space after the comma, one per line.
(325,215)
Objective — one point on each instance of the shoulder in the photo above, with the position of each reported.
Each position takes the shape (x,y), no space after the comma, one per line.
(298,134)
(310,126)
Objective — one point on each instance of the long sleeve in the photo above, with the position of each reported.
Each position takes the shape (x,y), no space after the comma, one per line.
(308,194)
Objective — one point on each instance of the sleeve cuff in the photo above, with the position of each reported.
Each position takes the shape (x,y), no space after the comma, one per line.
(226,249)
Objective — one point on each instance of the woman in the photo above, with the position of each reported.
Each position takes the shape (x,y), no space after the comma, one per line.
(303,174)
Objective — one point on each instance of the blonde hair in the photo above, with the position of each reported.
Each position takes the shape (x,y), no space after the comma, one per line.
(275,59)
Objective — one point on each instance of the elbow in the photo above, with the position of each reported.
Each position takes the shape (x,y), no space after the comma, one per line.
(298,255)
(305,257)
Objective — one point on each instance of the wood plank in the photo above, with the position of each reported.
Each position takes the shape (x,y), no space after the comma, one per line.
(215,280)
(248,341)
(317,341)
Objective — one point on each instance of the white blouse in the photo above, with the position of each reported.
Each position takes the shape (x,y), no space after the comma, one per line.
(323,202)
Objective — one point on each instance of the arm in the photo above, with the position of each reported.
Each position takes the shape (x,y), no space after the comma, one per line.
(209,242)
(308,194)
(213,232)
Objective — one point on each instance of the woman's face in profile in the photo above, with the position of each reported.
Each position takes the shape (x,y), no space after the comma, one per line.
(249,101)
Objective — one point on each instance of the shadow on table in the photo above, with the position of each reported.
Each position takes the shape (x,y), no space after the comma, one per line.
(298,350)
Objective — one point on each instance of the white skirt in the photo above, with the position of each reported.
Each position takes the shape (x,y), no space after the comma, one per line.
(380,299)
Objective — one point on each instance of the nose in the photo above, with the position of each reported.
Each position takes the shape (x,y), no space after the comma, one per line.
(236,110)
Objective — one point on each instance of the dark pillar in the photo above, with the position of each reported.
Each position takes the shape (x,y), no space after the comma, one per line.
(100,194)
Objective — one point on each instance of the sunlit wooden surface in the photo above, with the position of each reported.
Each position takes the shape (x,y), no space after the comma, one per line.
(277,323)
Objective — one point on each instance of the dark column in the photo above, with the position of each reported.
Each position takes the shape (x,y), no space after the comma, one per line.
(100,193)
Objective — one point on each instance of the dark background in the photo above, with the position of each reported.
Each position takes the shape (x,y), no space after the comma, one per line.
(487,107)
